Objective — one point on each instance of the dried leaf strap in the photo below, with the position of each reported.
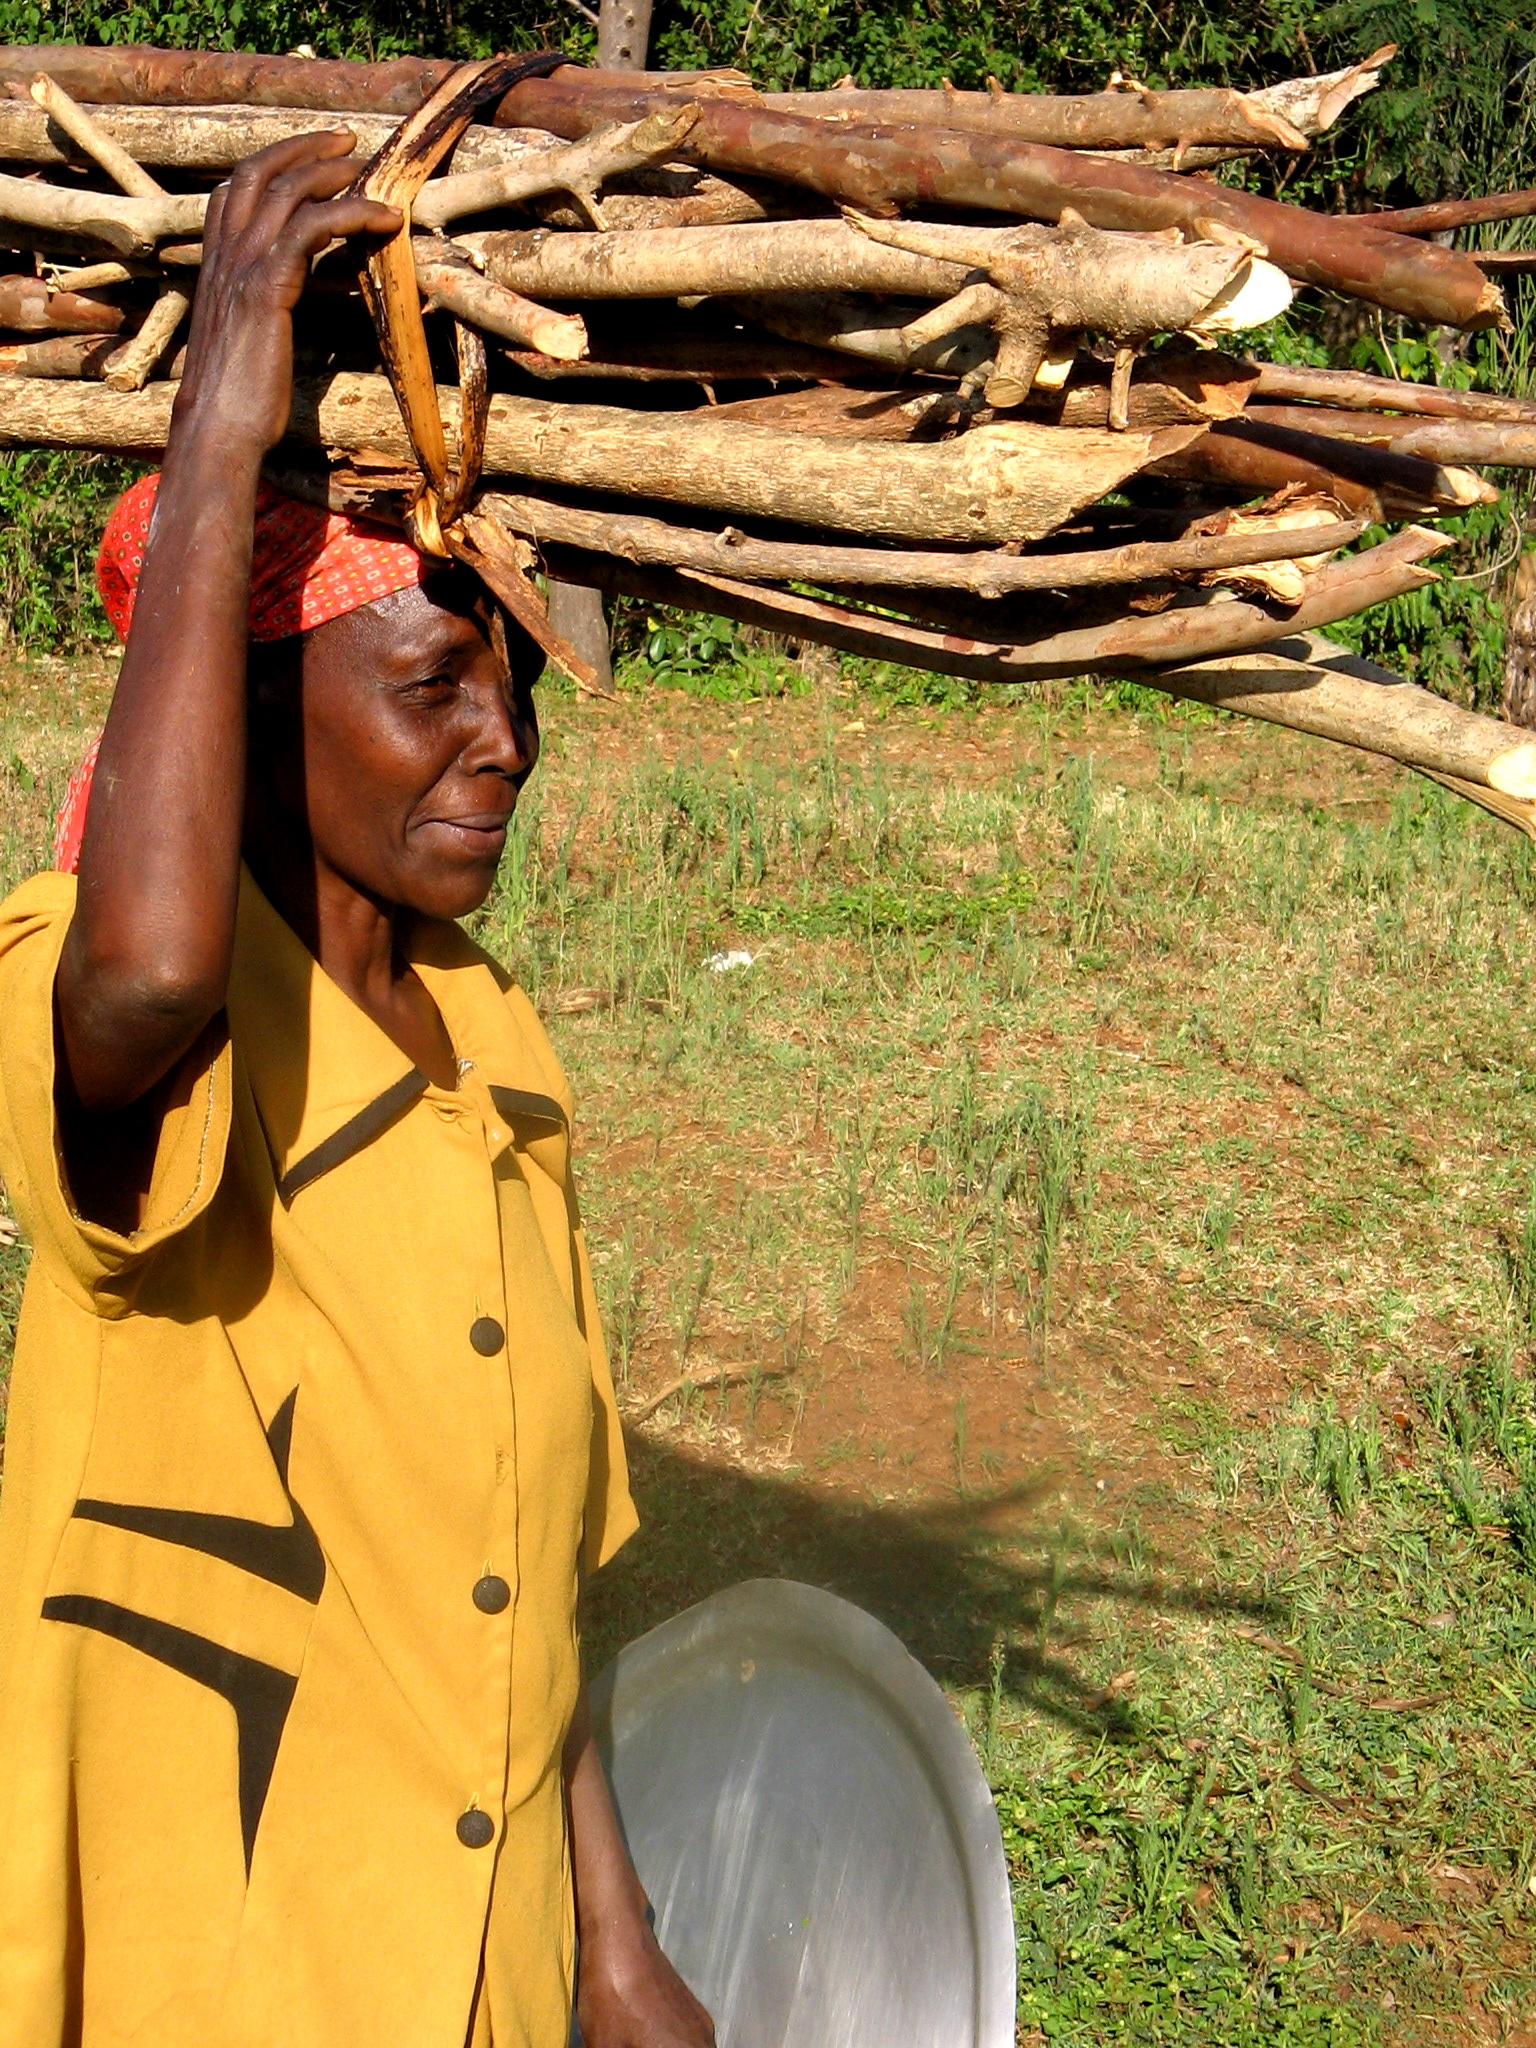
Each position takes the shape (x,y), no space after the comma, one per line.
(436,519)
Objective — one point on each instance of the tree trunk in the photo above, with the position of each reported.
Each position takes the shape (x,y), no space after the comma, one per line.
(623,36)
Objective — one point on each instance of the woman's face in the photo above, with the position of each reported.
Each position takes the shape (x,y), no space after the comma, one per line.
(414,734)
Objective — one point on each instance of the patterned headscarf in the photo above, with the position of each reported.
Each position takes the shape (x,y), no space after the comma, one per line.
(308,565)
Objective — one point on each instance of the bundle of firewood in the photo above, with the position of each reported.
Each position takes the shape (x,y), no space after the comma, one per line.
(946,378)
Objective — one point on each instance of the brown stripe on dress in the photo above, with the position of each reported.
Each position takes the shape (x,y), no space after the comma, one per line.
(355,1133)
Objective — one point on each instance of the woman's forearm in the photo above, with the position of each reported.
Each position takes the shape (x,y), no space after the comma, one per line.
(146,963)
(610,1900)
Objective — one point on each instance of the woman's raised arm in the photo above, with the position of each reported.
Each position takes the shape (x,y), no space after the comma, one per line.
(146,963)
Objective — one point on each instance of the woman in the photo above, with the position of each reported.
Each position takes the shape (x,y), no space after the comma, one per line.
(311,1423)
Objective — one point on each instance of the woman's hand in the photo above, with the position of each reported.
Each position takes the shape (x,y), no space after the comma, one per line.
(263,230)
(627,1994)
(145,966)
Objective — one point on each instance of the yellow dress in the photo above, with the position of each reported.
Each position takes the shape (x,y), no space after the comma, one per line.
(299,1479)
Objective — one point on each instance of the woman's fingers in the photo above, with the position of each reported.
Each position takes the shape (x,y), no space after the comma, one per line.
(314,227)
(250,180)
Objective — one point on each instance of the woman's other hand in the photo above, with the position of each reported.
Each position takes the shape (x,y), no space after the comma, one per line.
(629,1996)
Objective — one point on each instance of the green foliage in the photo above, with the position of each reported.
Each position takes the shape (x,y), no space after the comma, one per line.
(51,512)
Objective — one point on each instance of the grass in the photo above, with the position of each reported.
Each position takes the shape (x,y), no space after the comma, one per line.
(1113,1178)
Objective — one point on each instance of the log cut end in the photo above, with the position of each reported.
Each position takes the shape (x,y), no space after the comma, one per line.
(1514,773)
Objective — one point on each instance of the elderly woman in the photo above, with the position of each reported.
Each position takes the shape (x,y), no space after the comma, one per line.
(312,1430)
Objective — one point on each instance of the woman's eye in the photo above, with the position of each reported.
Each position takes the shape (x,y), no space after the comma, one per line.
(428,689)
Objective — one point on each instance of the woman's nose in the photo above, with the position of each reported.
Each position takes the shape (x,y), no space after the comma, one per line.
(506,733)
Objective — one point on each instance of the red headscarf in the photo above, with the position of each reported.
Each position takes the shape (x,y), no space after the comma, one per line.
(308,565)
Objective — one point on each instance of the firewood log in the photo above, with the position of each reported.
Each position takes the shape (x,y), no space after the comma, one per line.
(881,170)
(1359,391)
(28,305)
(1045,291)
(450,283)
(1125,643)
(640,537)
(132,227)
(1443,216)
(1284,116)
(62,355)
(787,256)
(1504,444)
(995,485)
(1374,481)
(1136,119)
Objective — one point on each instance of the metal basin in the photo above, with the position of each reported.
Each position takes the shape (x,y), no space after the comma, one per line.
(817,1840)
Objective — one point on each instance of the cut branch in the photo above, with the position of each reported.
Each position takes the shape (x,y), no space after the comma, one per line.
(62,355)
(450,283)
(637,537)
(100,147)
(132,227)
(575,167)
(132,365)
(218,138)
(995,485)
(1338,696)
(1101,120)
(1258,459)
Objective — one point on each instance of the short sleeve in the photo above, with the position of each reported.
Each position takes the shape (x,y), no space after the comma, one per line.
(86,1257)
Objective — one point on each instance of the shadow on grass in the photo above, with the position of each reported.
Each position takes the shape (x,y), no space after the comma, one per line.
(951,1579)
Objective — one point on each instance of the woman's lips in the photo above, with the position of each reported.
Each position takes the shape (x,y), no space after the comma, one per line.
(482,834)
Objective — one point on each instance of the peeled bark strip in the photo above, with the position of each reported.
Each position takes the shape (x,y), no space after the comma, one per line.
(995,485)
(132,227)
(28,305)
(1359,391)
(663,263)
(1257,459)
(450,283)
(1134,119)
(1492,443)
(880,171)
(575,167)
(1166,639)
(638,537)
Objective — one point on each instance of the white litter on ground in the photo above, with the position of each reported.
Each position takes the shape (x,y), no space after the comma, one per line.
(727,963)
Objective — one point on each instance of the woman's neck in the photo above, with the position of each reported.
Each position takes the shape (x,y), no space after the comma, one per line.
(357,942)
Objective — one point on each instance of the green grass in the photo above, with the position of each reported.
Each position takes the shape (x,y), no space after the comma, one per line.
(1112,1186)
